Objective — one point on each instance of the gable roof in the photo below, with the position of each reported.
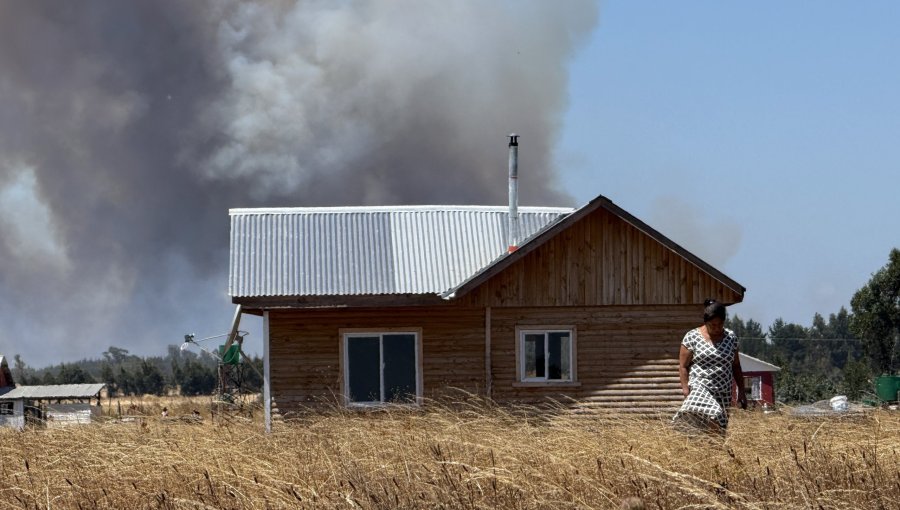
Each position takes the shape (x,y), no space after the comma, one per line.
(365,255)
(751,364)
(507,259)
(350,251)
(51,391)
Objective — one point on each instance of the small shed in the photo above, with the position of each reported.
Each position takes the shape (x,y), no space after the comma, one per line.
(57,405)
(759,380)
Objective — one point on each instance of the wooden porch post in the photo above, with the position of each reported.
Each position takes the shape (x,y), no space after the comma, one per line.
(488,383)
(267,374)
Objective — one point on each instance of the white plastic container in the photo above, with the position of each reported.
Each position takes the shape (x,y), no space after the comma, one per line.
(839,403)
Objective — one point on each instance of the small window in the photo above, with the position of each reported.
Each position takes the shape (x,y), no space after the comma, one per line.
(546,355)
(6,408)
(753,387)
(381,367)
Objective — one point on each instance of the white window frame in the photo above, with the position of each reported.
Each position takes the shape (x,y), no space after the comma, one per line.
(347,334)
(755,389)
(521,379)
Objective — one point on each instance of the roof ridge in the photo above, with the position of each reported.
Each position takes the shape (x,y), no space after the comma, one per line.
(394,208)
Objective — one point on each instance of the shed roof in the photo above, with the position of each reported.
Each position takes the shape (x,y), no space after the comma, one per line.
(751,364)
(329,251)
(52,391)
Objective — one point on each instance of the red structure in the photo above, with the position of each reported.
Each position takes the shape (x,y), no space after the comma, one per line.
(6,379)
(759,381)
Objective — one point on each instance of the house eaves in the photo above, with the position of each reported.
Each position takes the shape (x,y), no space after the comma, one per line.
(53,391)
(751,364)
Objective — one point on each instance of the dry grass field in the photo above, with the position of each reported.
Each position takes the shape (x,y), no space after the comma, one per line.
(453,456)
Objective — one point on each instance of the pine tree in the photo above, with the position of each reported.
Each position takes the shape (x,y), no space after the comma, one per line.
(876,316)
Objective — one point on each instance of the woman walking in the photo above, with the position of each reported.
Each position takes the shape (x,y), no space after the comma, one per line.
(708,363)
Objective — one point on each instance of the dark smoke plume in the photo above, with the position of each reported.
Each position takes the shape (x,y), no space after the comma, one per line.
(127,130)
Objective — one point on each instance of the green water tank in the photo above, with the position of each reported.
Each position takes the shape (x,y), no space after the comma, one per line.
(232,356)
(887,387)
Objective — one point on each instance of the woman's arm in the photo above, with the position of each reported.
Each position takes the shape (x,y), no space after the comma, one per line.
(739,379)
(685,357)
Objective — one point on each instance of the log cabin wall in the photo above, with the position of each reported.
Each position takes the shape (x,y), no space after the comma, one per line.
(600,260)
(304,348)
(626,357)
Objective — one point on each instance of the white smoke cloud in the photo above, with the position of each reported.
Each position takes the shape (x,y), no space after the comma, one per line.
(141,123)
(27,229)
(316,89)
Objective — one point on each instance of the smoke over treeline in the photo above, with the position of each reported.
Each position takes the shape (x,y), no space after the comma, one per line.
(127,129)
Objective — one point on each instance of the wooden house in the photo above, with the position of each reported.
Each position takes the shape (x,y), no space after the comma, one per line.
(363,306)
(759,380)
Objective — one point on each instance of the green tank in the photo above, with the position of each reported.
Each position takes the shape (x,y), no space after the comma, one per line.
(232,356)
(887,387)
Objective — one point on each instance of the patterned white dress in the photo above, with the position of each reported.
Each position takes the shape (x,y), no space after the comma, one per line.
(710,377)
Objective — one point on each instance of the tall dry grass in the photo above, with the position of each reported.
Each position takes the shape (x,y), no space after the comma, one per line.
(473,455)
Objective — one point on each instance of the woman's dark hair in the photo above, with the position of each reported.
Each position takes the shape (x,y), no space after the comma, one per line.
(713,309)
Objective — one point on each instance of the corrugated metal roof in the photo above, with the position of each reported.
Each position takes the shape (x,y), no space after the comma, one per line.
(53,391)
(369,250)
(751,364)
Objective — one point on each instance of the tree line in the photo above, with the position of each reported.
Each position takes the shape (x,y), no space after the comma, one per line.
(181,372)
(840,355)
(817,362)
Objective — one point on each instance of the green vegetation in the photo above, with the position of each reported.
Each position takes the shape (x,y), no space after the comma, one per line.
(817,362)
(876,316)
(127,374)
(840,355)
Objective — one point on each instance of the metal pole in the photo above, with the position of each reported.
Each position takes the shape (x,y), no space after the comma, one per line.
(235,324)
(513,192)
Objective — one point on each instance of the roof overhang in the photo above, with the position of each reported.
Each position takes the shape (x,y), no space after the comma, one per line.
(751,364)
(256,305)
(54,391)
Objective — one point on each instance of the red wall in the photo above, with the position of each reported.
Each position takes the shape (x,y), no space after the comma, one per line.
(768,389)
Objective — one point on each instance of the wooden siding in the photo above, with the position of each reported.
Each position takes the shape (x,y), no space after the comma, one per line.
(601,260)
(304,349)
(626,357)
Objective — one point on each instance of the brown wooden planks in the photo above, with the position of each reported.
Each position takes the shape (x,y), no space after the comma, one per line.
(601,260)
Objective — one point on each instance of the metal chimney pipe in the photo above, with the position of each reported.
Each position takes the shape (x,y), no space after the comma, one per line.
(513,233)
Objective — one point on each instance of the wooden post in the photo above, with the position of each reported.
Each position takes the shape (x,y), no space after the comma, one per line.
(487,353)
(267,374)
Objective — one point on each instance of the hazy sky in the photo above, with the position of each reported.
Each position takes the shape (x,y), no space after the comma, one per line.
(761,137)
